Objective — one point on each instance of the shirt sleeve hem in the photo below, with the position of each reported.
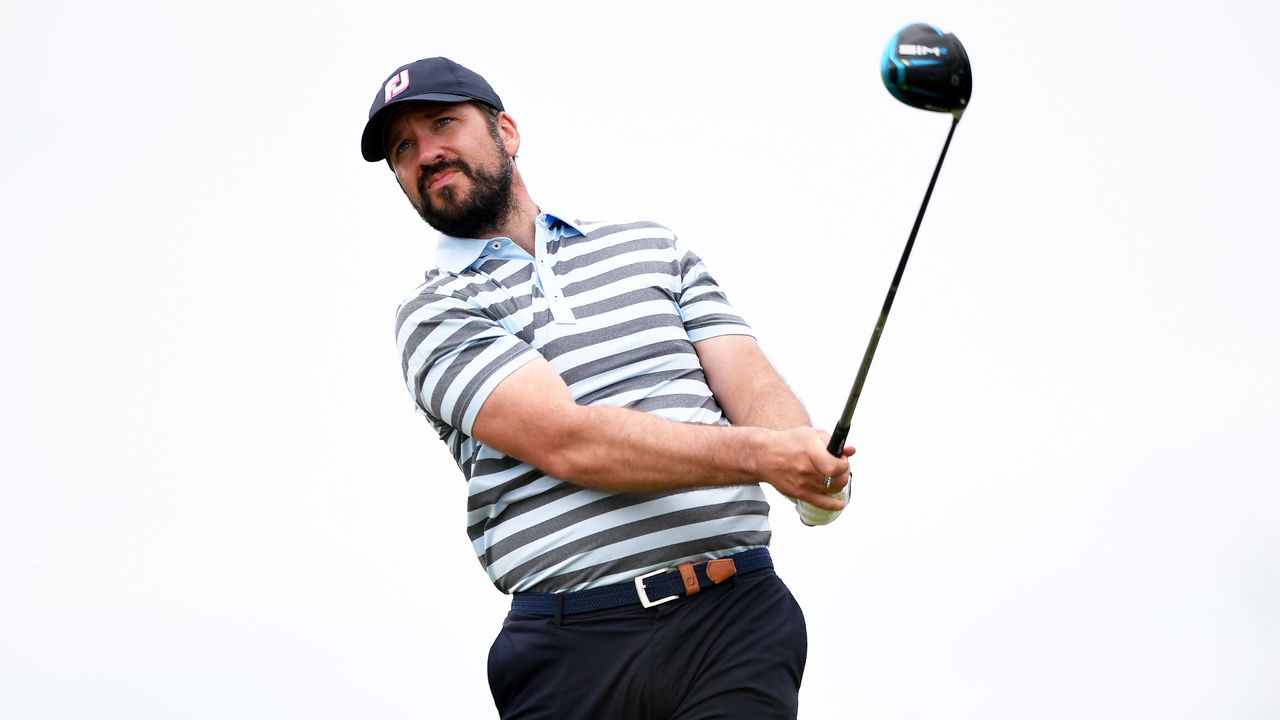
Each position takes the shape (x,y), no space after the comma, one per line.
(706,333)
(490,384)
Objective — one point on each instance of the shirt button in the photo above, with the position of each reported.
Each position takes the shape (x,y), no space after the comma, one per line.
(496,245)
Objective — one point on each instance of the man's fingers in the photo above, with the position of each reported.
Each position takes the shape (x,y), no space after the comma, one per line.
(830,466)
(833,484)
(822,500)
(812,515)
(825,438)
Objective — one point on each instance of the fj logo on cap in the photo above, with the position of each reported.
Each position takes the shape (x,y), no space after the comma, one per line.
(396,85)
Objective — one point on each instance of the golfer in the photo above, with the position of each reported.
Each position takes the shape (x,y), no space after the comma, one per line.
(614,419)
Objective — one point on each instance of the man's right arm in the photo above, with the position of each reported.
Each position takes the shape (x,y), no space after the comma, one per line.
(531,415)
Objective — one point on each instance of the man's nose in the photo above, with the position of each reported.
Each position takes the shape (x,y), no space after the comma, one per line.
(429,151)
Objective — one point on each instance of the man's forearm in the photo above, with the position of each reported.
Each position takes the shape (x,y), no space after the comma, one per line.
(774,406)
(630,451)
(532,416)
(746,385)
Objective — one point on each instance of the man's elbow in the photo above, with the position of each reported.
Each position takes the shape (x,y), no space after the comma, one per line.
(565,463)
(567,454)
(578,457)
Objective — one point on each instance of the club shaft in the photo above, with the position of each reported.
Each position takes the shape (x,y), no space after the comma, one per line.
(841,433)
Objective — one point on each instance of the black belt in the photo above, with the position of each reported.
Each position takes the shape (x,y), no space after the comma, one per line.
(651,589)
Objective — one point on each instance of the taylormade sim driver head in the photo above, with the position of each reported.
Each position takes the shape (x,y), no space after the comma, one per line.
(927,69)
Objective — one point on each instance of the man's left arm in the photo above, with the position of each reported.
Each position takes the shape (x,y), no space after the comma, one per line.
(746,385)
(752,393)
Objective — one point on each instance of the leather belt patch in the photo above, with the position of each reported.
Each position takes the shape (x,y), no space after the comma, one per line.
(721,570)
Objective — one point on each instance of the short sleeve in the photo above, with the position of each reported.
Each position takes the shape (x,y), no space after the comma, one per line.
(453,355)
(703,306)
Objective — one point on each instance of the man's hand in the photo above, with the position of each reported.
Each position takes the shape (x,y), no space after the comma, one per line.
(836,496)
(797,464)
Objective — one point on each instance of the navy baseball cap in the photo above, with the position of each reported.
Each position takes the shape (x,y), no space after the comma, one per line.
(439,79)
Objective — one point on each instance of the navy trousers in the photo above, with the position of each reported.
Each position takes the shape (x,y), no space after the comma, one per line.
(732,651)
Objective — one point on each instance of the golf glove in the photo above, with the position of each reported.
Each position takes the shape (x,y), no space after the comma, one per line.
(811,516)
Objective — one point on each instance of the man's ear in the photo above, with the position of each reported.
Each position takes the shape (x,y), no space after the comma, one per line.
(510,134)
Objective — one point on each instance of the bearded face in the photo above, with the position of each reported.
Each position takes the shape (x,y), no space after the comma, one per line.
(462,209)
(452,164)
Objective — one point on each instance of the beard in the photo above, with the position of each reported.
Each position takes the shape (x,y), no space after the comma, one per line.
(478,213)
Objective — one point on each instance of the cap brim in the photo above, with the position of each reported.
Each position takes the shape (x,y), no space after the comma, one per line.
(371,142)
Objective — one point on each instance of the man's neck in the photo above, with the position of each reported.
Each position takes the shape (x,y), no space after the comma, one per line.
(519,223)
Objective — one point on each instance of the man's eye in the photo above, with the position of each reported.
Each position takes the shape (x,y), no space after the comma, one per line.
(402,147)
(441,122)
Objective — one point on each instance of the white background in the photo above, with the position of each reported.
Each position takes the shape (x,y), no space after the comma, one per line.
(217,502)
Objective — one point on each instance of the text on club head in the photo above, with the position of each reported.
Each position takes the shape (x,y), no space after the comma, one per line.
(919,50)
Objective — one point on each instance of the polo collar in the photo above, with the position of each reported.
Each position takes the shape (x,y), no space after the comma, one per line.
(456,254)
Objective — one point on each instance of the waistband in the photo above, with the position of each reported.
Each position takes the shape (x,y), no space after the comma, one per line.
(655,588)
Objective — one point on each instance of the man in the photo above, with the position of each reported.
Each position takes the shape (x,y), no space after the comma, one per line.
(614,419)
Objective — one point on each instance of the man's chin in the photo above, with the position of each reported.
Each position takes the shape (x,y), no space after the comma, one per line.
(457,225)
(445,198)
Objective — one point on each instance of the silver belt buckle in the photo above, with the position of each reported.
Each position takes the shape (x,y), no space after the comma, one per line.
(644,596)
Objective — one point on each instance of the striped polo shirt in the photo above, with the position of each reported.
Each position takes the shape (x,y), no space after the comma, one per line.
(615,308)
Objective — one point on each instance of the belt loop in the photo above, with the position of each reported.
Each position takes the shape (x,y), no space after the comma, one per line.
(559,609)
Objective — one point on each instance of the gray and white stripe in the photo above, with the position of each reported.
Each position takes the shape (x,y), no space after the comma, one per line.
(638,304)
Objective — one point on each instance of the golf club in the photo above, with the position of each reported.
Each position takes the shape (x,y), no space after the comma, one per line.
(927,69)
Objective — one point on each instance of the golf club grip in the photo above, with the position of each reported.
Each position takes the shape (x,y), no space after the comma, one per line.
(841,432)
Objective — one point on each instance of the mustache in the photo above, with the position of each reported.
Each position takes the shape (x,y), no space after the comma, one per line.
(429,170)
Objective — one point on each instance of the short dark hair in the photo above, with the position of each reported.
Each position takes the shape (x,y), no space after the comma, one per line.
(491,114)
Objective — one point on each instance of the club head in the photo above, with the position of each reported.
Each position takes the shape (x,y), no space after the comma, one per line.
(927,69)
